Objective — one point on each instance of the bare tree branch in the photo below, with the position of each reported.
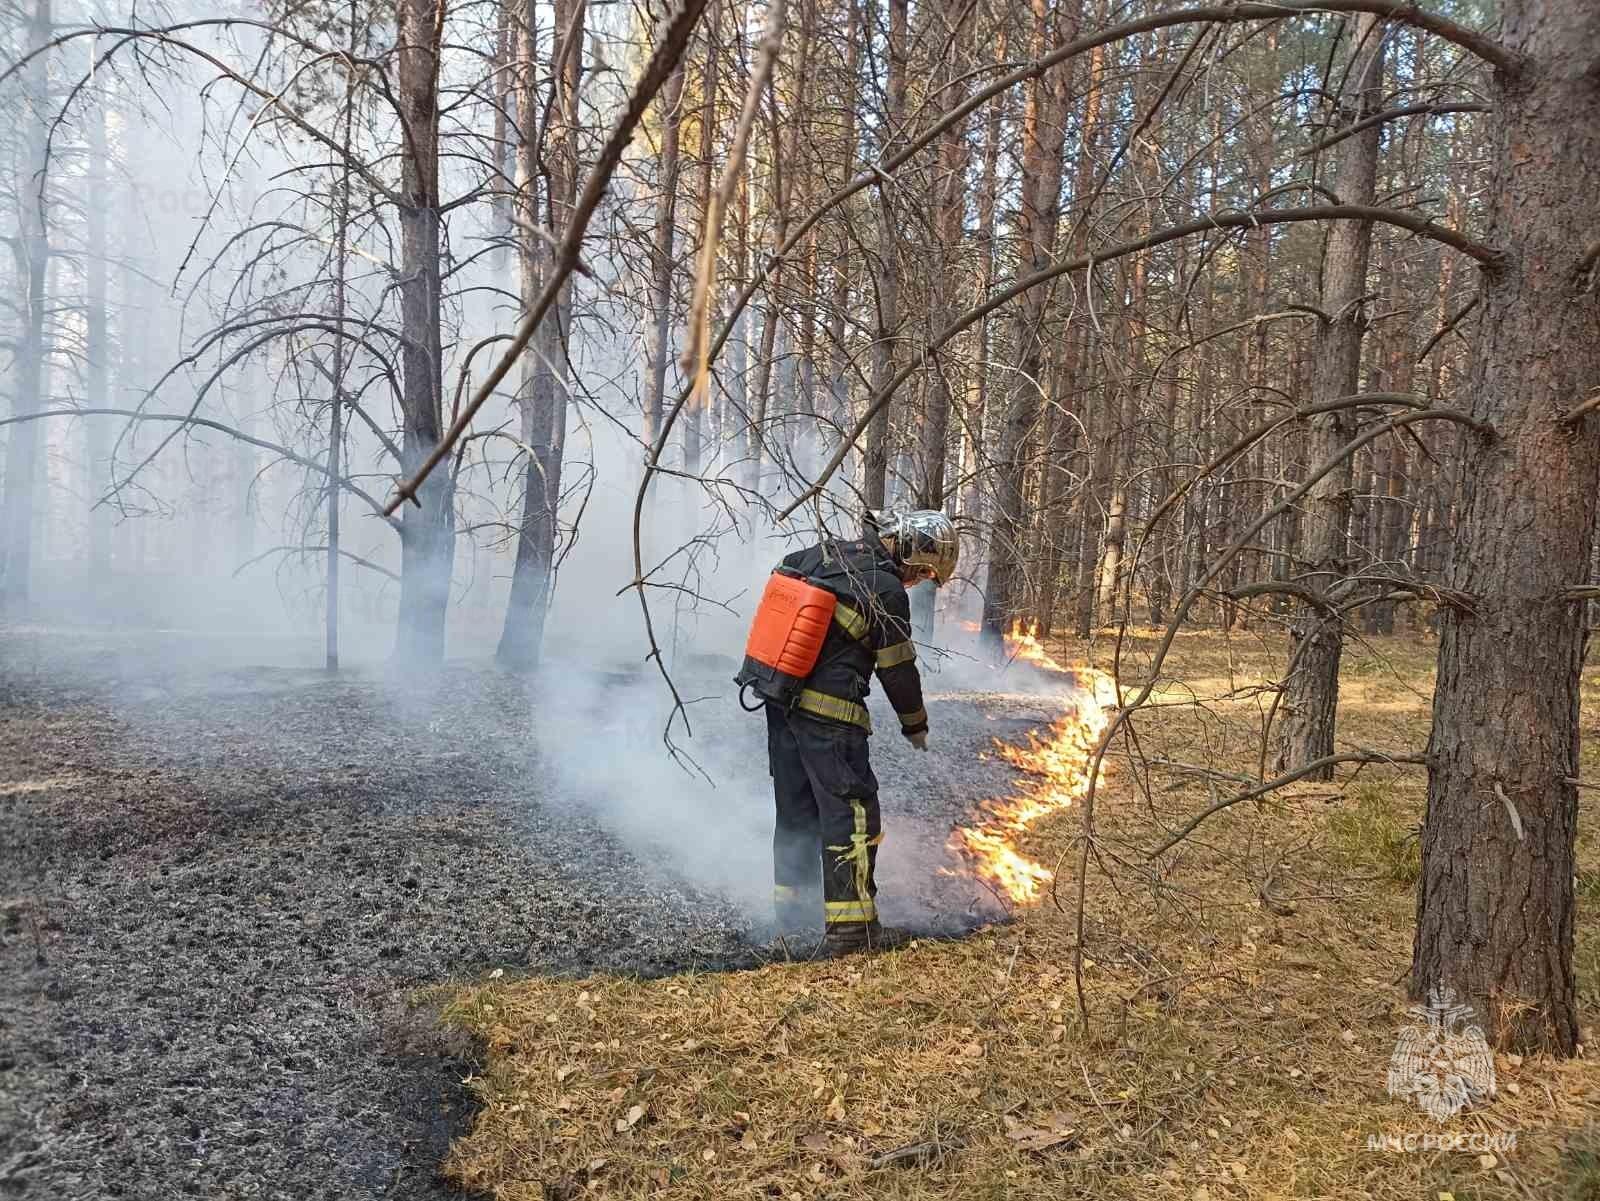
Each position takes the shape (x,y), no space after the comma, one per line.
(1273,785)
(674,40)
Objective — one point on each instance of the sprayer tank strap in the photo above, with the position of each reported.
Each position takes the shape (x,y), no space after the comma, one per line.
(833,707)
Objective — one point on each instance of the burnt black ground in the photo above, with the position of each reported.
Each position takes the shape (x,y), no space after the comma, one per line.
(224,884)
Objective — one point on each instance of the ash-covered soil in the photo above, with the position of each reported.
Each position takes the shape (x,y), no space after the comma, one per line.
(225,886)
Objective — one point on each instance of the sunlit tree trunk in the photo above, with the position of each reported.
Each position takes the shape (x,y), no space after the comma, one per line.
(693,426)
(1042,145)
(657,348)
(1495,906)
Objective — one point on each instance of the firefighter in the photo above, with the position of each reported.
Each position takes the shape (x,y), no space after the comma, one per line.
(827,796)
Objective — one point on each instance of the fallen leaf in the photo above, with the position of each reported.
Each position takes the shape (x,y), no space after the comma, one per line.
(748,1141)
(563,1073)
(871,1129)
(1487,1161)
(708,1155)
(497,973)
(836,1108)
(973,1050)
(817,1171)
(630,1119)
(595,1165)
(1238,1170)
(815,1142)
(1036,1138)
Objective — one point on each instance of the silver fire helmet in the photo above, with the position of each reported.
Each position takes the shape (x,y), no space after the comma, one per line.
(922,538)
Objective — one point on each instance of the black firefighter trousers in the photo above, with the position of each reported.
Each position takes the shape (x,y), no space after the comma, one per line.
(827,802)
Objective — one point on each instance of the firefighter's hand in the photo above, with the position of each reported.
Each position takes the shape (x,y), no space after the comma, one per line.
(918,740)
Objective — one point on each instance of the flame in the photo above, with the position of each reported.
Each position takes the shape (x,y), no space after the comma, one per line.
(1059,763)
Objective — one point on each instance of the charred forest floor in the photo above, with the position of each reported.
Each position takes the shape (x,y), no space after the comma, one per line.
(229,891)
(1246,995)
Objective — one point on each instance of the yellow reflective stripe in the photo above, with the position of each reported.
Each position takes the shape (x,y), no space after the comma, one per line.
(857,855)
(850,621)
(834,707)
(784,892)
(915,718)
(850,911)
(893,656)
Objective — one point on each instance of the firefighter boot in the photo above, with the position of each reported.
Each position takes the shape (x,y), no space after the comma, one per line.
(847,939)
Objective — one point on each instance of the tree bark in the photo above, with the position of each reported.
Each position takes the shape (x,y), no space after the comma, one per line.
(1316,637)
(875,462)
(1495,904)
(693,430)
(1043,141)
(31,249)
(427,531)
(949,203)
(97,348)
(657,346)
(542,394)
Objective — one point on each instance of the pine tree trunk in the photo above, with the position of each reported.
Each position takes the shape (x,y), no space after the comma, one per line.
(1311,693)
(427,534)
(31,247)
(1495,905)
(657,346)
(1043,140)
(97,347)
(949,213)
(875,462)
(542,395)
(693,425)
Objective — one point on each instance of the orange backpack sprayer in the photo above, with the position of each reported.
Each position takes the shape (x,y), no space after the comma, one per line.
(786,637)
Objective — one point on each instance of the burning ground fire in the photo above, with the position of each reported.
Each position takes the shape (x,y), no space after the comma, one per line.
(1059,763)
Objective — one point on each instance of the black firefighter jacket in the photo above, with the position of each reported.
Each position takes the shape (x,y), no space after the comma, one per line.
(871,632)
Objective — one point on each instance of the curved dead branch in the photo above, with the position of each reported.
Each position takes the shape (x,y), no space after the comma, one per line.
(1392,114)
(190,419)
(1282,781)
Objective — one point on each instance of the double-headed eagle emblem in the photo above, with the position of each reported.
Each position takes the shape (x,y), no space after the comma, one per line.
(1441,1062)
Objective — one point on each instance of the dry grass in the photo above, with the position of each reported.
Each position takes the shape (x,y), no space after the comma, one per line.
(1245,998)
